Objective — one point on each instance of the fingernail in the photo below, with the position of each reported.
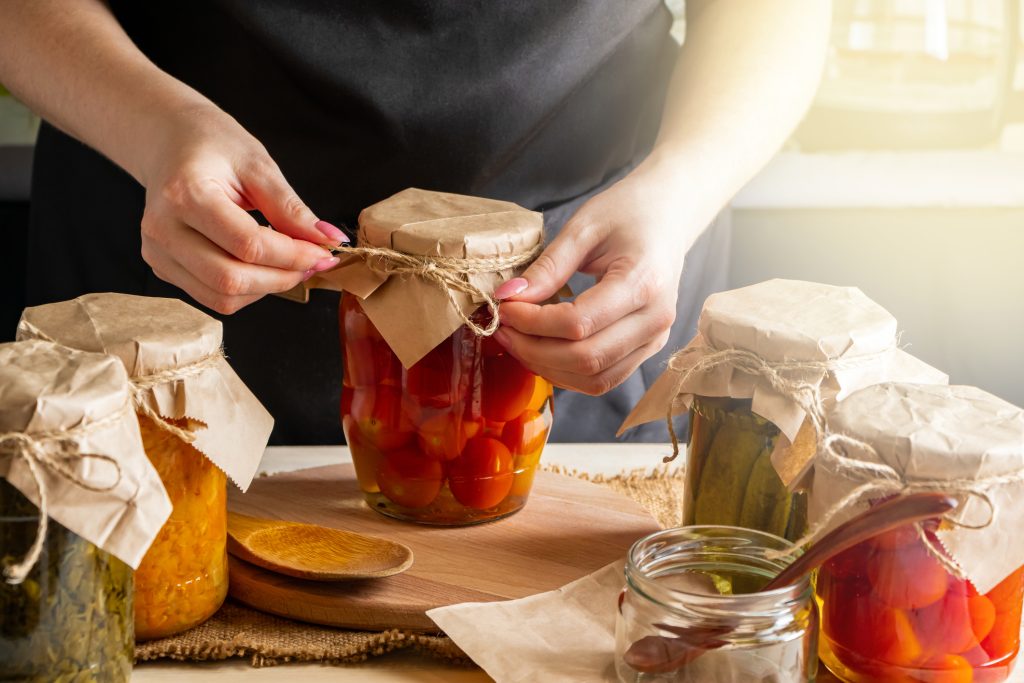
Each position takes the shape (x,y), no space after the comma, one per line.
(325,264)
(331,232)
(516,285)
(308,274)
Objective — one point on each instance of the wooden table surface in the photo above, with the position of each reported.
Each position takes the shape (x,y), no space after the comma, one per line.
(402,667)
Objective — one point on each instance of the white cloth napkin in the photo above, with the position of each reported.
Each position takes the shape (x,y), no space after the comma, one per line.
(565,635)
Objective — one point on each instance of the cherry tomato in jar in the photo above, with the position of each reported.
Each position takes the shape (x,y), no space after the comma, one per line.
(443,436)
(409,478)
(526,434)
(378,413)
(955,624)
(365,458)
(541,394)
(482,476)
(433,380)
(908,578)
(507,388)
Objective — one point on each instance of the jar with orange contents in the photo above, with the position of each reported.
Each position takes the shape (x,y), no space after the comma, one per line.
(200,425)
(444,426)
(940,601)
(454,439)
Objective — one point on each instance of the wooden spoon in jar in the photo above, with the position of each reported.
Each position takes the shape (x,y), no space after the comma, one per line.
(662,654)
(312,552)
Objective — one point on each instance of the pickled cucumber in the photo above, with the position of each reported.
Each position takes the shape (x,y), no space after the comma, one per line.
(725,475)
(766,502)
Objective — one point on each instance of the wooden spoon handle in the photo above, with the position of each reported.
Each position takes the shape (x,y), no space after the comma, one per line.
(893,513)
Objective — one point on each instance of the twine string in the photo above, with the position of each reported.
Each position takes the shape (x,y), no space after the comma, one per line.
(448,273)
(52,451)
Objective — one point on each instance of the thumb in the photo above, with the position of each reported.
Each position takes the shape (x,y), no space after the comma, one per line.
(549,272)
(272,196)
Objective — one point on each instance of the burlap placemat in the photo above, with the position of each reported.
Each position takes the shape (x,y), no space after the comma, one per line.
(266,640)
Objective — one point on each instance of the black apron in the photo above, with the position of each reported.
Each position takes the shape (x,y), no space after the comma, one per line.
(537,102)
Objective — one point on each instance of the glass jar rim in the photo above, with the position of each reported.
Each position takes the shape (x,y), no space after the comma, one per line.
(675,542)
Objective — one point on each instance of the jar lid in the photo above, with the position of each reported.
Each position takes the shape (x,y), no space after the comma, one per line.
(66,418)
(173,357)
(955,438)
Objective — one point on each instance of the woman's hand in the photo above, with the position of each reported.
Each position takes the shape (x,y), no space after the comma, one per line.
(201,178)
(633,238)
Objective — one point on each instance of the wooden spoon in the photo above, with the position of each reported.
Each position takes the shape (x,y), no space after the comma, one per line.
(662,654)
(317,553)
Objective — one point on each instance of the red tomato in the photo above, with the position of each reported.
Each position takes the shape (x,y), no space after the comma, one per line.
(908,578)
(867,629)
(368,360)
(365,458)
(526,434)
(409,478)
(433,381)
(954,624)
(852,562)
(541,394)
(378,412)
(507,388)
(444,435)
(482,476)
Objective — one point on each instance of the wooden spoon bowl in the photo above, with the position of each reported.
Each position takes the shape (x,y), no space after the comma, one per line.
(312,552)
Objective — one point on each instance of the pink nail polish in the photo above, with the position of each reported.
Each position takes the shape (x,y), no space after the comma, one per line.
(516,285)
(331,232)
(325,264)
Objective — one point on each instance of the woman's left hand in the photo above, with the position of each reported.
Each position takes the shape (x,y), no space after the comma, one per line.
(633,238)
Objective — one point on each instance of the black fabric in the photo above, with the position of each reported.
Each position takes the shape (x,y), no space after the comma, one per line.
(536,102)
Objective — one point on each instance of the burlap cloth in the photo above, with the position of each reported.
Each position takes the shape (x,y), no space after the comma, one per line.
(266,640)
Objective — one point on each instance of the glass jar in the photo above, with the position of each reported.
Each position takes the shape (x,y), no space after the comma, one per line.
(70,619)
(183,578)
(698,585)
(890,612)
(730,480)
(454,439)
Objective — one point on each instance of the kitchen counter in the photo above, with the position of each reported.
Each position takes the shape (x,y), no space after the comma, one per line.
(401,667)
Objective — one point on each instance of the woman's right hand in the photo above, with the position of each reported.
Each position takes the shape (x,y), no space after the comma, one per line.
(202,177)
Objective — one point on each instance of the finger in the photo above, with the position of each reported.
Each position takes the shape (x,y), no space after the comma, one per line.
(207,208)
(551,270)
(216,269)
(605,381)
(270,193)
(615,296)
(168,270)
(592,355)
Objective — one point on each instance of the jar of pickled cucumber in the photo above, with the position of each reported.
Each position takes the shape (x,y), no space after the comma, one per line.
(199,425)
(454,439)
(762,357)
(69,442)
(444,426)
(939,601)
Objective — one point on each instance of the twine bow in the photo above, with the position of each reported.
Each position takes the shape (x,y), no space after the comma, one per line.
(53,451)
(447,272)
(141,384)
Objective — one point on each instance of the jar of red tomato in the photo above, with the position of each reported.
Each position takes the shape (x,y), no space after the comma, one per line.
(444,426)
(939,601)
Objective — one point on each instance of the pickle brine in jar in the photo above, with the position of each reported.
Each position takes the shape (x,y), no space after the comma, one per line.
(940,601)
(444,426)
(760,354)
(70,443)
(200,425)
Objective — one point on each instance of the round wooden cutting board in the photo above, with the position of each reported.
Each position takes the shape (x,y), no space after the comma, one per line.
(568,529)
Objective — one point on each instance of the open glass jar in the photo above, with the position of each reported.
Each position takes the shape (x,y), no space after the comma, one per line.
(698,585)
(730,479)
(71,618)
(453,439)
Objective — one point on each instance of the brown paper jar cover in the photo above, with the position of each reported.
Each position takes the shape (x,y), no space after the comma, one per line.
(959,436)
(56,394)
(786,321)
(412,314)
(152,335)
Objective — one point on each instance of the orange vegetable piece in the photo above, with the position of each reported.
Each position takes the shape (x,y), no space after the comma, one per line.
(1003,640)
(908,578)
(409,478)
(945,669)
(1008,593)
